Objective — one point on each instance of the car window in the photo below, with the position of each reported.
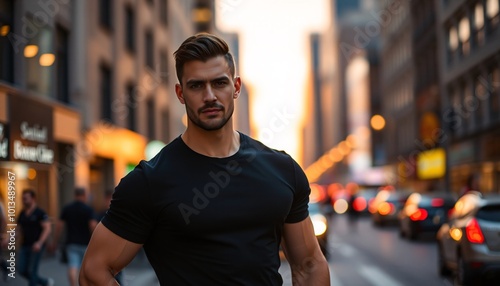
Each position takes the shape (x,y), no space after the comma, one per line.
(489,213)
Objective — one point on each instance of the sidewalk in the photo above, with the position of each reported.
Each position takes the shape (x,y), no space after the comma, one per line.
(138,272)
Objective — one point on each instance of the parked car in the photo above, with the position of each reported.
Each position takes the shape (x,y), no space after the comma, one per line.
(424,213)
(386,206)
(362,199)
(320,224)
(469,244)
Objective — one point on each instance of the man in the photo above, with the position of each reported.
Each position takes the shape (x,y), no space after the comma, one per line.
(79,221)
(35,227)
(213,206)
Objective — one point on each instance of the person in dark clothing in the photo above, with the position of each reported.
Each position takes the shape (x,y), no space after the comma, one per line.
(34,224)
(214,205)
(78,219)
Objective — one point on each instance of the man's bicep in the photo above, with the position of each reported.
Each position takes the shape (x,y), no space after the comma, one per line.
(106,250)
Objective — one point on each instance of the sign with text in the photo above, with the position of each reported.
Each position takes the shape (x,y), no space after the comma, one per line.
(31,131)
(4,141)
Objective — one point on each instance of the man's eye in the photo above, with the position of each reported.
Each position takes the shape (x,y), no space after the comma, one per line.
(221,83)
(195,86)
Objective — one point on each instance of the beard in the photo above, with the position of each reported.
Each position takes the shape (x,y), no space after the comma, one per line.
(210,124)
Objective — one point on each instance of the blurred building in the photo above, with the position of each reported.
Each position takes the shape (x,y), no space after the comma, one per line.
(397,92)
(85,87)
(469,63)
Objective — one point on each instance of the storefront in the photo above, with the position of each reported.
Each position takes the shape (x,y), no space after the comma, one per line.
(36,137)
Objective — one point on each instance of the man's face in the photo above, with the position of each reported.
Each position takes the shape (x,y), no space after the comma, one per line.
(27,200)
(208,91)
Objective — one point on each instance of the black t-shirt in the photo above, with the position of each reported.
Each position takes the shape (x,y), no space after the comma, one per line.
(211,221)
(76,217)
(32,225)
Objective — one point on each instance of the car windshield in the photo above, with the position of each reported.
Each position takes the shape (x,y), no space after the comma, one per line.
(489,213)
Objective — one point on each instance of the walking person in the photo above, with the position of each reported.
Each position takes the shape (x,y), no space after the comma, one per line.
(78,220)
(35,228)
(213,207)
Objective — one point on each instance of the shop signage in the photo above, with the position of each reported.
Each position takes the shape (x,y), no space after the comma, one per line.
(4,141)
(431,164)
(31,131)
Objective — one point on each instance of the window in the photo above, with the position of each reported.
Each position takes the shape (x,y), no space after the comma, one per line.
(494,89)
(479,24)
(106,92)
(151,118)
(62,65)
(105,13)
(132,106)
(163,67)
(149,50)
(492,14)
(480,94)
(164,12)
(464,35)
(6,48)
(129,29)
(452,43)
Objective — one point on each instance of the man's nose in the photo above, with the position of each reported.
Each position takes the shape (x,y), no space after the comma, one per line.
(209,94)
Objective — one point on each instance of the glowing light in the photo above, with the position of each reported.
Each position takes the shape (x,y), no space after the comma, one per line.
(4,30)
(385,208)
(492,8)
(319,224)
(201,15)
(377,122)
(46,60)
(479,16)
(453,38)
(31,173)
(30,51)
(340,206)
(455,234)
(464,30)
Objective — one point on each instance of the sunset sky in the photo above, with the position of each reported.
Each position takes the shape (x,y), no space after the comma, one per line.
(274,59)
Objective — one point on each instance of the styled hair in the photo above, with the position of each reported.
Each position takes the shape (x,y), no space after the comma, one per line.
(202,47)
(30,192)
(79,192)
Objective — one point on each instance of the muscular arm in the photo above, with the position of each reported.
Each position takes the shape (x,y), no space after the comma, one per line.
(106,255)
(301,248)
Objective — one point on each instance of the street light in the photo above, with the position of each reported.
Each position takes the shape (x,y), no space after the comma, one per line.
(377,122)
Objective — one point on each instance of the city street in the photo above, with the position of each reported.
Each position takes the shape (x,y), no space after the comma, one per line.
(360,255)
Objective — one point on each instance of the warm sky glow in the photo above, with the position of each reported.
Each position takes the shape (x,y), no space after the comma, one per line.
(274,59)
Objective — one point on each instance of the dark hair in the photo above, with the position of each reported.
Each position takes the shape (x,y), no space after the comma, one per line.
(202,47)
(79,192)
(31,192)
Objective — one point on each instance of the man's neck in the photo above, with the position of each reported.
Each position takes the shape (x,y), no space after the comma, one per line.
(218,143)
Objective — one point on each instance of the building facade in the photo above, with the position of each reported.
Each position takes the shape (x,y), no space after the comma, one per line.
(469,65)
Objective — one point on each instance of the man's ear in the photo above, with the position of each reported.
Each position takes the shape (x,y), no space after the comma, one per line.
(237,87)
(178,92)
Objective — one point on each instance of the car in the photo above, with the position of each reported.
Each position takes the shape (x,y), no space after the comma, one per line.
(320,224)
(385,207)
(360,201)
(424,213)
(469,243)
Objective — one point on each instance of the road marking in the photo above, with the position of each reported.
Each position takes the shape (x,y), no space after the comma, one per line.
(344,249)
(376,276)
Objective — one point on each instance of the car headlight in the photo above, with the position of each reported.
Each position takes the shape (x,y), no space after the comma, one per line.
(319,223)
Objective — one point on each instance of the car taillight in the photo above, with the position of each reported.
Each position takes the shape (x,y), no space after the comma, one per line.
(474,233)
(359,204)
(420,214)
(385,208)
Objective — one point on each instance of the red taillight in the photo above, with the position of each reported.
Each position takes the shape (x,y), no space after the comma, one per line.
(420,214)
(359,204)
(474,233)
(437,202)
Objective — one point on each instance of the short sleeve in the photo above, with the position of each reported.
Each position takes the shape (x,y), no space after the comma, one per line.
(130,213)
(299,210)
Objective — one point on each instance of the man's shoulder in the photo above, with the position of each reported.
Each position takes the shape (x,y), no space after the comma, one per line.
(255,145)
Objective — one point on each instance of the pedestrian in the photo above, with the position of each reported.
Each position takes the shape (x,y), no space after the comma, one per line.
(214,205)
(78,220)
(35,227)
